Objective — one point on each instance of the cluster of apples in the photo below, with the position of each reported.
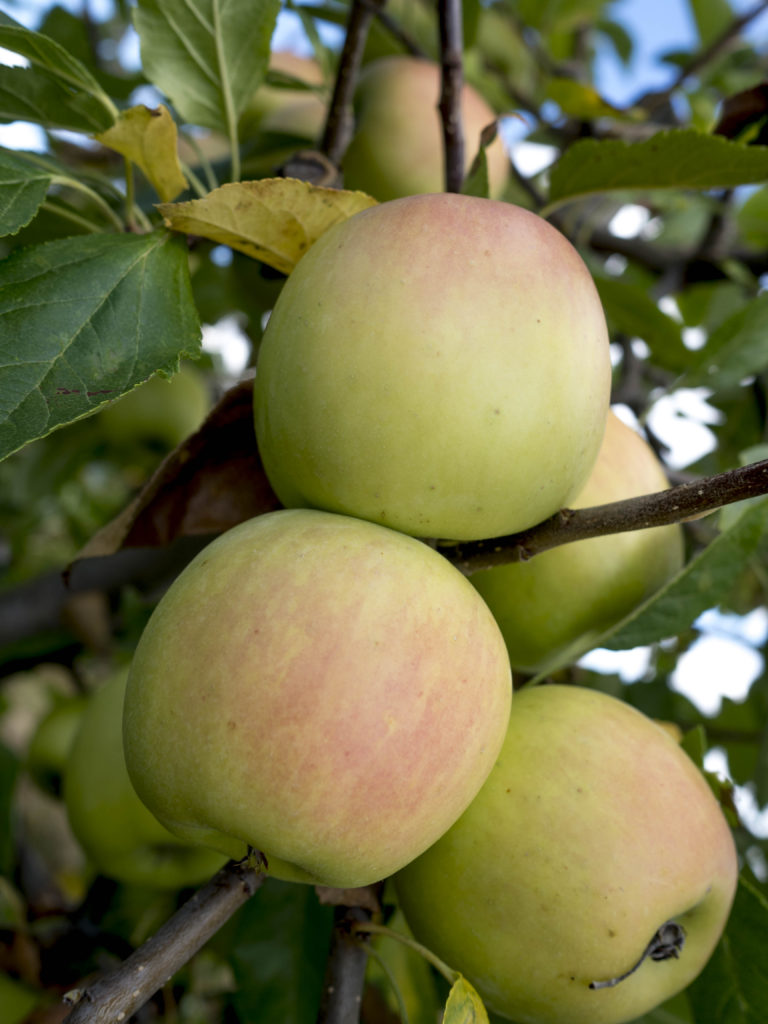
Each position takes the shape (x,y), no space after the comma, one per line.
(322,685)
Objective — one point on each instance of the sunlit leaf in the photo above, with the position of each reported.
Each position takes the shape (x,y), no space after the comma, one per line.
(464,1005)
(149,139)
(51,64)
(274,220)
(30,94)
(207,56)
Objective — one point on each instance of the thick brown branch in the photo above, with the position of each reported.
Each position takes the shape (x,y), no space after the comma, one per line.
(117,995)
(339,121)
(672,506)
(451,82)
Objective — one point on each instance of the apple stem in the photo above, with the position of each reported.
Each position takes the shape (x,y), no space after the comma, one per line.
(380,929)
(665,945)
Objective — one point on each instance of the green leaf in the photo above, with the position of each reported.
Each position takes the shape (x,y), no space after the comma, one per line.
(679,158)
(464,1005)
(712,18)
(630,310)
(38,96)
(280,946)
(733,988)
(208,56)
(581,100)
(736,349)
(9,768)
(702,584)
(752,218)
(22,190)
(53,64)
(82,321)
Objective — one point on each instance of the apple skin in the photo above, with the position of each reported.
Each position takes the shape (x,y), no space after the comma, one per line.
(397,147)
(119,835)
(417,372)
(49,748)
(548,604)
(325,690)
(593,829)
(287,111)
(161,409)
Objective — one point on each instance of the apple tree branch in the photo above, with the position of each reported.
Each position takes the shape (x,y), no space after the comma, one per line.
(117,995)
(675,505)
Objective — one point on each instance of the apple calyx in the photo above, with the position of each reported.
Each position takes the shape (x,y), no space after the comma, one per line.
(665,945)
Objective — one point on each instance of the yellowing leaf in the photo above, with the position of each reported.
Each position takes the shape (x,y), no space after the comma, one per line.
(148,139)
(464,1005)
(274,220)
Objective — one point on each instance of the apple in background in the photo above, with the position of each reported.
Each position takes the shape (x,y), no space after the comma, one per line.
(327,691)
(285,110)
(397,146)
(120,836)
(593,832)
(570,592)
(438,364)
(51,743)
(162,410)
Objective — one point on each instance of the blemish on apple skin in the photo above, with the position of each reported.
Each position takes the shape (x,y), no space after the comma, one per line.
(231,725)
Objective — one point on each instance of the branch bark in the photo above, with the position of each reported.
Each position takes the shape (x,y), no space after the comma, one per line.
(685,501)
(345,972)
(451,82)
(339,120)
(117,995)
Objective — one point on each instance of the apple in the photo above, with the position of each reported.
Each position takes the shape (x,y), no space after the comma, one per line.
(438,364)
(51,743)
(322,689)
(117,832)
(286,110)
(564,596)
(594,840)
(161,409)
(397,147)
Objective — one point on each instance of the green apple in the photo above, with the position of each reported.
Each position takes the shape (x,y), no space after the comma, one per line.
(438,364)
(397,146)
(51,743)
(285,110)
(578,590)
(117,832)
(161,409)
(325,690)
(594,840)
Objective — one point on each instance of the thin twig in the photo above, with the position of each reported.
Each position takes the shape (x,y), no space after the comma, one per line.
(338,122)
(660,509)
(451,83)
(398,33)
(117,995)
(708,54)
